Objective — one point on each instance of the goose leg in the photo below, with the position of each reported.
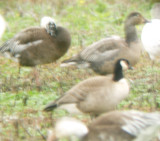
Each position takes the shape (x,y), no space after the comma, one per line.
(19,69)
(36,77)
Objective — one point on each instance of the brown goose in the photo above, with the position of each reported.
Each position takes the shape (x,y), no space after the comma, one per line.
(38,45)
(95,95)
(112,126)
(101,55)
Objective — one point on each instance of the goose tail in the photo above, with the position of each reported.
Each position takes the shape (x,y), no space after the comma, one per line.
(50,107)
(7,50)
(75,61)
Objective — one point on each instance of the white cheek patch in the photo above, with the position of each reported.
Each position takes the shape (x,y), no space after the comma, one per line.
(124,65)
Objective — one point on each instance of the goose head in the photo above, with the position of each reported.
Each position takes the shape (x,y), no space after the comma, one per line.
(135,18)
(120,66)
(49,24)
(125,65)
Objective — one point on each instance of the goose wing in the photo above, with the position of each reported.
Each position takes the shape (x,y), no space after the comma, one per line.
(116,125)
(79,92)
(102,50)
(105,49)
(23,40)
(142,125)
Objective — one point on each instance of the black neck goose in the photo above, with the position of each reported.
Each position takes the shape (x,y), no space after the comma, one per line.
(95,95)
(38,45)
(101,55)
(112,126)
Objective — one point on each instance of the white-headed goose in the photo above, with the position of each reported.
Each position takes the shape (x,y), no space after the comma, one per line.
(38,45)
(151,34)
(95,95)
(112,126)
(101,55)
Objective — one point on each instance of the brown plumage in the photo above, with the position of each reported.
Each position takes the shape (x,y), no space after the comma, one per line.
(38,45)
(112,126)
(101,55)
(95,95)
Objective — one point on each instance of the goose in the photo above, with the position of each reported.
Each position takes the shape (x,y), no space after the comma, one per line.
(150,35)
(102,55)
(95,95)
(113,126)
(2,26)
(38,45)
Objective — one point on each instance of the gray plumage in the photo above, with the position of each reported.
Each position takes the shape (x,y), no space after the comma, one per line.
(101,55)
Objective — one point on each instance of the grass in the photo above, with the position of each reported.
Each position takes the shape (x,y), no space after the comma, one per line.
(21,102)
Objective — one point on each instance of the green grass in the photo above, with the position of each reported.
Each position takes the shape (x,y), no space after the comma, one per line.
(21,102)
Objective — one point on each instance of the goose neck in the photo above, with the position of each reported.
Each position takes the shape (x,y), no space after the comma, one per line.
(130,33)
(118,74)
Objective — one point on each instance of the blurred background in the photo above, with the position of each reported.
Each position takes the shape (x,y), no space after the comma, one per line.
(21,102)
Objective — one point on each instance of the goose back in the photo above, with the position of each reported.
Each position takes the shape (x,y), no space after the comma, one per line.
(122,50)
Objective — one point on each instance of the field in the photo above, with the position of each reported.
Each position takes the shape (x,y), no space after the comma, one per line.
(21,101)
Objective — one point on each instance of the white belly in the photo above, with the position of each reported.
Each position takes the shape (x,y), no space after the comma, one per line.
(119,92)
